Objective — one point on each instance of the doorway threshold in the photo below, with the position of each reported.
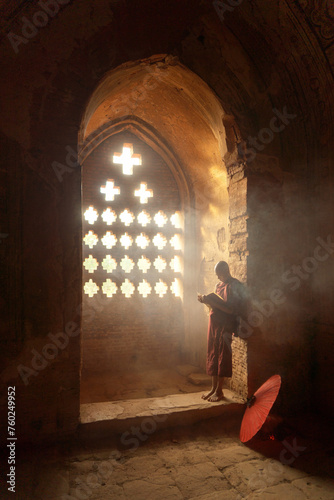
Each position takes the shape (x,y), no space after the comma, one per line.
(97,419)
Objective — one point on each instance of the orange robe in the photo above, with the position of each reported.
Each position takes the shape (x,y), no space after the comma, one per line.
(221,327)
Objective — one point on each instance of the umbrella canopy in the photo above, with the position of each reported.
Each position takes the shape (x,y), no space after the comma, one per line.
(258,407)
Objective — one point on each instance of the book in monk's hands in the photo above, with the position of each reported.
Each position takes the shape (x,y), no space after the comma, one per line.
(214,300)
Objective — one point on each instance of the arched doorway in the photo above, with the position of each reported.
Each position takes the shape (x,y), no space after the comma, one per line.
(173,114)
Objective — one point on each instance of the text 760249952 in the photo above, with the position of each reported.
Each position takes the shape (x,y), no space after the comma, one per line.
(11,445)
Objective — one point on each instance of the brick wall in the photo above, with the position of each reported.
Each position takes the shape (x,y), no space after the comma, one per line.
(238,211)
(239,381)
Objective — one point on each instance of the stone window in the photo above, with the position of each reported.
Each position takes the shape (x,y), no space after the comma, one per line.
(112,256)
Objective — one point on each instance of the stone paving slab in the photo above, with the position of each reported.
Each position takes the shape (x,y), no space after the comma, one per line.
(205,461)
(146,407)
(316,488)
(145,489)
(283,491)
(149,414)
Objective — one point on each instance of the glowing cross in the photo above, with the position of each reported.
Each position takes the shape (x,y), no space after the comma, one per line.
(127,288)
(160,219)
(109,240)
(176,288)
(160,288)
(159,241)
(144,193)
(109,216)
(110,190)
(144,218)
(127,264)
(90,239)
(126,240)
(142,241)
(109,288)
(160,264)
(176,220)
(90,264)
(143,264)
(91,215)
(176,242)
(176,264)
(91,288)
(109,264)
(126,217)
(127,159)
(144,288)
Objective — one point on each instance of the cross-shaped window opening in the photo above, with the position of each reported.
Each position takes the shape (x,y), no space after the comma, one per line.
(117,268)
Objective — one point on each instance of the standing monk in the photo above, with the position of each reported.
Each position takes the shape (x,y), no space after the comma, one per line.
(223,323)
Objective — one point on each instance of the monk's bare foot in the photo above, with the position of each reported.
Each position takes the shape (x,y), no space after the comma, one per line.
(216,397)
(207,396)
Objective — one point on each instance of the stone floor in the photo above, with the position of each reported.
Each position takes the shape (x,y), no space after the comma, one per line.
(148,383)
(170,396)
(205,461)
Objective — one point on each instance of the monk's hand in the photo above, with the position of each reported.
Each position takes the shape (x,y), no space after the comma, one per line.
(200,297)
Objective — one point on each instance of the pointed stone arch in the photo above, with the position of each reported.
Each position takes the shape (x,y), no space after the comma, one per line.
(175,112)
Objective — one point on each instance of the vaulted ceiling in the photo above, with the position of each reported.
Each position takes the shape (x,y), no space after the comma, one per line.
(256,57)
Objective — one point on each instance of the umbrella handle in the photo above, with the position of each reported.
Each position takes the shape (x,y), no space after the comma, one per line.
(250,401)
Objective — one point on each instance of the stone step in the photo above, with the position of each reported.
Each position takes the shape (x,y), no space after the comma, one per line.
(149,414)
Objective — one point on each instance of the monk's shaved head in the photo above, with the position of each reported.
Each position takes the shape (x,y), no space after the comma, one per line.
(222,267)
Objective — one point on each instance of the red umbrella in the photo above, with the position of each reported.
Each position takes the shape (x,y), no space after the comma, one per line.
(258,407)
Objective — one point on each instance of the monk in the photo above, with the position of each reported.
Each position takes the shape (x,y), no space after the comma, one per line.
(222,324)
